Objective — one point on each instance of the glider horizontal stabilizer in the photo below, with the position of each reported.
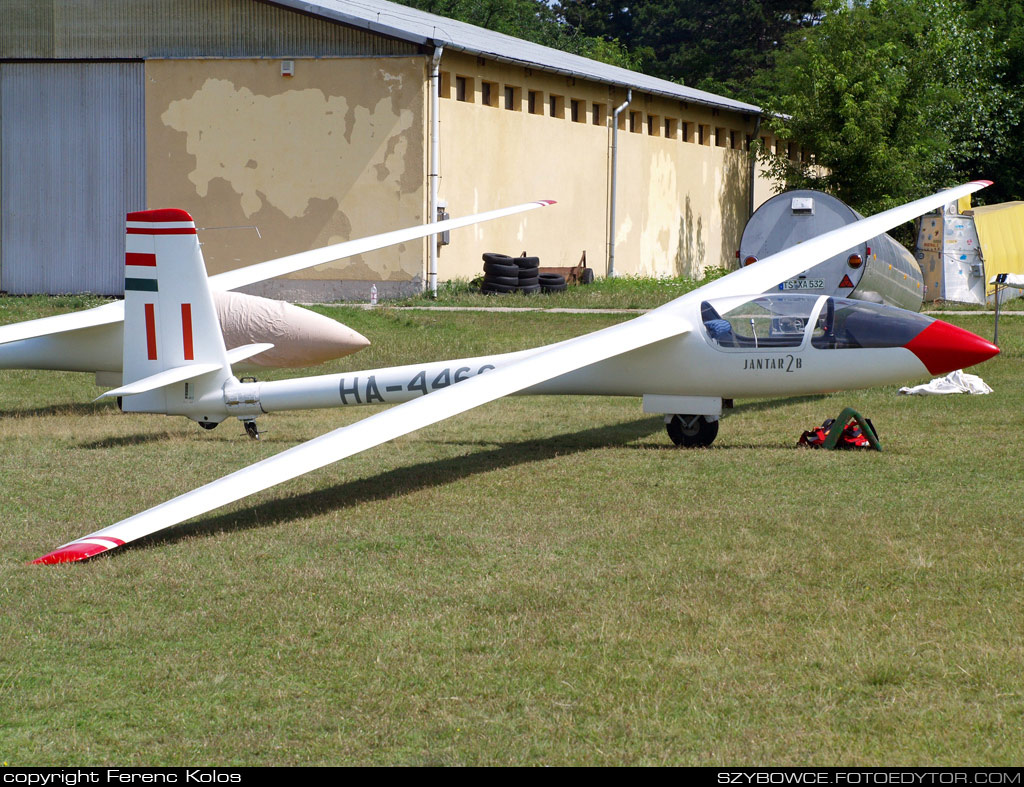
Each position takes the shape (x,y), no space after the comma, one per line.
(177,374)
(248,351)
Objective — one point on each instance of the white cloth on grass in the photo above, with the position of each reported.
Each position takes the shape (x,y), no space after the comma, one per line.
(954,382)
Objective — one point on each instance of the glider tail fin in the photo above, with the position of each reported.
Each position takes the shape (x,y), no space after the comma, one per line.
(174,351)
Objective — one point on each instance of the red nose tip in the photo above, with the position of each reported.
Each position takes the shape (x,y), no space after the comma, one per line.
(945,348)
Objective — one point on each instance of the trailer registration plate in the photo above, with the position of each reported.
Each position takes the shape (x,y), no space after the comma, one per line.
(803,284)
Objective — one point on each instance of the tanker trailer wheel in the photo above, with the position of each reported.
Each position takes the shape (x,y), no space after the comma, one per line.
(692,431)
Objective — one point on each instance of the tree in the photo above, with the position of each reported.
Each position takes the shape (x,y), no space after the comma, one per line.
(894,97)
(717,47)
(530,20)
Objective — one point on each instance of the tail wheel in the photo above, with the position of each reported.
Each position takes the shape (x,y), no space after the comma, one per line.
(692,431)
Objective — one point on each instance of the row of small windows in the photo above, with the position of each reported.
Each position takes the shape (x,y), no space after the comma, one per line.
(510,97)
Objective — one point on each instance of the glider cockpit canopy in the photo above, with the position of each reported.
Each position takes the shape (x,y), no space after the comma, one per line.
(786,320)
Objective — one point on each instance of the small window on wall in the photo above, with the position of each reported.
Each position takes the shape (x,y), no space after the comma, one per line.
(464,89)
(598,114)
(556,106)
(685,128)
(576,111)
(703,134)
(535,102)
(513,98)
(444,85)
(489,94)
(653,126)
(634,122)
(670,128)
(721,139)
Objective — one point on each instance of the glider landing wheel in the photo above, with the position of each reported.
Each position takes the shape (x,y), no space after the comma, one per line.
(692,431)
(252,430)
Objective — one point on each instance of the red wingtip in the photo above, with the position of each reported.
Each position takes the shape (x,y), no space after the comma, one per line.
(983,182)
(945,348)
(79,550)
(547,202)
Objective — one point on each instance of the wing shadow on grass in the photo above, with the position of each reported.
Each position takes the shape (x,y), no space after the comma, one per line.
(404,480)
(70,408)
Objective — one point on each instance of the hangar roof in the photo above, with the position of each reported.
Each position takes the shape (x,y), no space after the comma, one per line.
(410,24)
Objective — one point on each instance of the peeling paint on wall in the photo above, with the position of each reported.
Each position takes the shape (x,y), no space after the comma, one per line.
(335,152)
(250,141)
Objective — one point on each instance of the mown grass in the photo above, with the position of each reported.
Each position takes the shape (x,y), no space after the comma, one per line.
(623,292)
(539,581)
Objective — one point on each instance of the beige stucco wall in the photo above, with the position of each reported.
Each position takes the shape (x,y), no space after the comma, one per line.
(681,205)
(334,152)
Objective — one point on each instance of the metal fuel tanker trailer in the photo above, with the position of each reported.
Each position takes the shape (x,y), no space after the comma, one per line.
(879,271)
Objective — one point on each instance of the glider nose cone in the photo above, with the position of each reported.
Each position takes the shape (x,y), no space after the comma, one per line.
(943,348)
(300,337)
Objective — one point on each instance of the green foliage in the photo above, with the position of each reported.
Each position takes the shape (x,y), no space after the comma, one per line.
(717,47)
(531,20)
(895,97)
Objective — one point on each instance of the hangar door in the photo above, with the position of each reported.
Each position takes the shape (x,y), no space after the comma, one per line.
(72,164)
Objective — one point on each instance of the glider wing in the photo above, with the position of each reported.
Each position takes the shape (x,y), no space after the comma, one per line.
(770,271)
(73,321)
(307,259)
(402,419)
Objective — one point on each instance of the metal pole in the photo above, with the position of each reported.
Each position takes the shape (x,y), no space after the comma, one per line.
(615,160)
(753,164)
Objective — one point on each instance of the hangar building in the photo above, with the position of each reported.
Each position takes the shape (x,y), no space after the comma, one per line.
(312,121)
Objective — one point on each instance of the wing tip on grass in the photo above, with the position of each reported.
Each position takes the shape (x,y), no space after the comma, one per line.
(78,550)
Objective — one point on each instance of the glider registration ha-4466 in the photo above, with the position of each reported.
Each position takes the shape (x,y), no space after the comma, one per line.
(729,338)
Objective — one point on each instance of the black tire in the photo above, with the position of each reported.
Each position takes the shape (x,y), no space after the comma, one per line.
(527,263)
(501,269)
(502,259)
(553,287)
(551,278)
(531,281)
(492,289)
(692,431)
(531,289)
(504,281)
(587,277)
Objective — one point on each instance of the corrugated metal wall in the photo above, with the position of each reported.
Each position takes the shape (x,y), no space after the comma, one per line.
(73,163)
(127,29)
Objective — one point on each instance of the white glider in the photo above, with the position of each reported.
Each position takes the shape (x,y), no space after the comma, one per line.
(684,358)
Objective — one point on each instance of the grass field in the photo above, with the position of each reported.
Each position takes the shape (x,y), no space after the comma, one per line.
(539,581)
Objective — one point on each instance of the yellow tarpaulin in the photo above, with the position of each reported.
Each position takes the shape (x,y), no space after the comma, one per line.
(1001,235)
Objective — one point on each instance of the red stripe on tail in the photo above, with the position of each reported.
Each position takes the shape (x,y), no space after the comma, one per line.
(186,330)
(143,260)
(151,331)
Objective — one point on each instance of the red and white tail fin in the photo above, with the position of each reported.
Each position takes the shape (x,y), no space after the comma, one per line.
(173,347)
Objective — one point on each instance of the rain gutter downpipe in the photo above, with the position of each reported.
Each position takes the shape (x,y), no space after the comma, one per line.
(615,161)
(435,164)
(753,147)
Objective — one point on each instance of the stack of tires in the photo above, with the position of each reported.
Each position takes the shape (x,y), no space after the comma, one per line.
(552,282)
(504,274)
